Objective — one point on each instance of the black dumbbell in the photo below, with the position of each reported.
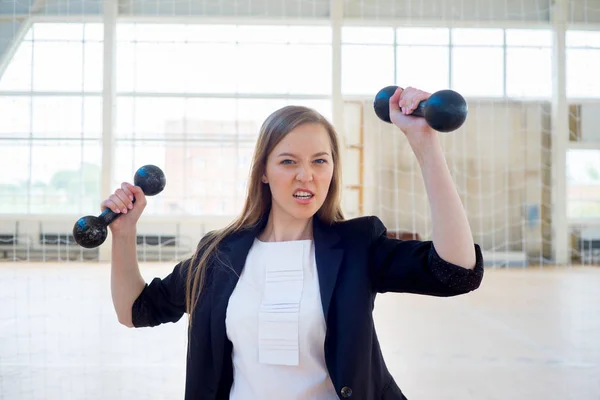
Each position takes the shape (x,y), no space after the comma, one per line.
(90,231)
(445,110)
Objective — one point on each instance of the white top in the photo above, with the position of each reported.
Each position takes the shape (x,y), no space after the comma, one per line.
(276,324)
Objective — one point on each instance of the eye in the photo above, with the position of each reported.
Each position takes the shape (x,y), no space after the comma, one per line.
(286,161)
(320,161)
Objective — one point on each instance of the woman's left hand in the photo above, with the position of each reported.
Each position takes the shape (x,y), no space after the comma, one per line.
(416,129)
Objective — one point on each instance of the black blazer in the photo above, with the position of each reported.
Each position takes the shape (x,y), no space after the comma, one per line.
(355,261)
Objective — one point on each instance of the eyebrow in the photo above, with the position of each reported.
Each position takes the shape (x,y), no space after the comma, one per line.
(322,153)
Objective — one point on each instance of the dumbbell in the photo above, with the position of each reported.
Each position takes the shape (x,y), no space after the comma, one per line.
(90,231)
(445,110)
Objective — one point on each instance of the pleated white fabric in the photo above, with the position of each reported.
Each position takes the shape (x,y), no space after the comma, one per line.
(276,324)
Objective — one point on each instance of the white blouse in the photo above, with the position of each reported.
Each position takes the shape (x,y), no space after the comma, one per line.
(276,324)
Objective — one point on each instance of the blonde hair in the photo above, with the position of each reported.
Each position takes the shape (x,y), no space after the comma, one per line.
(258,199)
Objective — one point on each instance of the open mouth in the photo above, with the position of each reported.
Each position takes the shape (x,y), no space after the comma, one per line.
(303,195)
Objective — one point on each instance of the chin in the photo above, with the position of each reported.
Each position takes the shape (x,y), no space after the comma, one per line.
(306,214)
(297,210)
(302,212)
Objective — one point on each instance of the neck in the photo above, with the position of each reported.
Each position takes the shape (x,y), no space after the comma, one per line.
(281,229)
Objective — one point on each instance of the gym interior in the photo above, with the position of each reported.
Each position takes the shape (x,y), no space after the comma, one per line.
(92,90)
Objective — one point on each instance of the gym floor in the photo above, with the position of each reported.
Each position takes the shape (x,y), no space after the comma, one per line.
(526,334)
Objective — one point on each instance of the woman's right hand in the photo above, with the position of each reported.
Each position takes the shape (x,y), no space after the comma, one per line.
(121,202)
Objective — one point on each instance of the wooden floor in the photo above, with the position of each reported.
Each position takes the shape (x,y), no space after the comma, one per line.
(524,335)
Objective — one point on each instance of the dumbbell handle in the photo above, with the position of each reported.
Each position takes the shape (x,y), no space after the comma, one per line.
(108,215)
(419,111)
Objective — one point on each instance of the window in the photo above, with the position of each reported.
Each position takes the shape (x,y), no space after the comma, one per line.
(477,37)
(65,174)
(14,186)
(367,35)
(17,76)
(224,59)
(14,117)
(583,179)
(366,68)
(430,47)
(477,62)
(49,177)
(198,142)
(72,117)
(57,57)
(529,63)
(529,72)
(581,77)
(429,74)
(423,36)
(590,39)
(51,142)
(583,60)
(51,109)
(278,68)
(529,37)
(367,59)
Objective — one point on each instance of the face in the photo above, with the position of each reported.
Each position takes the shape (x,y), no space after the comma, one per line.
(299,171)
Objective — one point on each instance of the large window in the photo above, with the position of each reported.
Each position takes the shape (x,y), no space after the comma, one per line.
(167,114)
(477,62)
(190,96)
(190,99)
(50,121)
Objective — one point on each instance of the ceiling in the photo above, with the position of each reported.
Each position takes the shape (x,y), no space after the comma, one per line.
(457,10)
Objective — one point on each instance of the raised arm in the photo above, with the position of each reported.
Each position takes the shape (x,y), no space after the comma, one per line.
(451,263)
(451,234)
(126,282)
(137,303)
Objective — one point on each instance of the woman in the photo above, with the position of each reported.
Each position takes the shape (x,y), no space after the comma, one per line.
(280,301)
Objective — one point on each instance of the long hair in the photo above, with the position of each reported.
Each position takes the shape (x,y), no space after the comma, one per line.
(258,198)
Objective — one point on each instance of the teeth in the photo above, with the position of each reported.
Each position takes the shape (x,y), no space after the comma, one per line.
(303,195)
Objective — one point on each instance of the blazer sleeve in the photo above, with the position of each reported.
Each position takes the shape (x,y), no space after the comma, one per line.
(414,266)
(163,300)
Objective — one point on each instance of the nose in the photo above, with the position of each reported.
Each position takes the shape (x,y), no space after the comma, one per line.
(305,174)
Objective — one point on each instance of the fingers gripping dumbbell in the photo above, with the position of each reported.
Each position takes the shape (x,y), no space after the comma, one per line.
(445,110)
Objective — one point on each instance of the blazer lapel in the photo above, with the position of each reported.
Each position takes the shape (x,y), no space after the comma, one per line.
(328,259)
(226,275)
